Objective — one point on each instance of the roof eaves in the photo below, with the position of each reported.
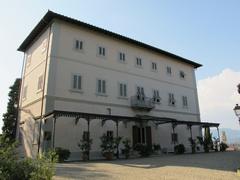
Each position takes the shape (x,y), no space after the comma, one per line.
(49,16)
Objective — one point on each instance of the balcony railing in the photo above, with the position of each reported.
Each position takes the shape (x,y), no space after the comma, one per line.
(142,102)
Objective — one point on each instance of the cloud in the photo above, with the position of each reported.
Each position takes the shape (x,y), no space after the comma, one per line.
(217,98)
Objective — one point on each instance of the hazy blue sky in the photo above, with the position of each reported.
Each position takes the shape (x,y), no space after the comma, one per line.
(207,32)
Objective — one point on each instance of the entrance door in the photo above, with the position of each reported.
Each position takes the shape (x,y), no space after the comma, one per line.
(148,136)
(142,135)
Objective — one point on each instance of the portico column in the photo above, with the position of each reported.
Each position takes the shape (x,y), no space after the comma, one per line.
(117,122)
(53,131)
(173,138)
(88,137)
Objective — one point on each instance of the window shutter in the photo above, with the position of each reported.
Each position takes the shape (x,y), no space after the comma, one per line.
(103,86)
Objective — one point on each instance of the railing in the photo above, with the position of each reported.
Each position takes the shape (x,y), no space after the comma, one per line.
(142,102)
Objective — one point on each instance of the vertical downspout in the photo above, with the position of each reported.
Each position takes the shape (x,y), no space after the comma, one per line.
(43,92)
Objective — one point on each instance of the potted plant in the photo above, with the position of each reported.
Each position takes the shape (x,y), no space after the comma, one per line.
(143,149)
(107,146)
(179,149)
(193,144)
(156,148)
(62,154)
(85,146)
(127,148)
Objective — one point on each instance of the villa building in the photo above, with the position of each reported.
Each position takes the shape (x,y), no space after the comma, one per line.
(79,79)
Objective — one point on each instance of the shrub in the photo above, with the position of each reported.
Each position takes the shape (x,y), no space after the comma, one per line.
(143,149)
(193,144)
(85,146)
(63,154)
(127,148)
(156,147)
(41,168)
(108,145)
(223,146)
(179,149)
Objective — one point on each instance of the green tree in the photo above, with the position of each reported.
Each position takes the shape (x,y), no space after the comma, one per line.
(207,140)
(10,117)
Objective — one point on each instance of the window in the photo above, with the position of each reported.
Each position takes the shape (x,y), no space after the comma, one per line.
(78,45)
(174,137)
(122,57)
(154,66)
(182,75)
(101,51)
(110,134)
(169,70)
(29,59)
(122,90)
(40,83)
(184,101)
(44,45)
(85,136)
(24,96)
(101,86)
(171,99)
(156,97)
(76,82)
(36,132)
(140,93)
(138,62)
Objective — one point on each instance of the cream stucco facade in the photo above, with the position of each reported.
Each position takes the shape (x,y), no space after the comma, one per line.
(53,59)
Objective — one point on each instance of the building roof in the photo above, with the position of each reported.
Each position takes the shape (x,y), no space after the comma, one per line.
(50,16)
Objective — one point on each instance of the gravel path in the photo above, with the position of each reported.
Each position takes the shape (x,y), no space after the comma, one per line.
(211,166)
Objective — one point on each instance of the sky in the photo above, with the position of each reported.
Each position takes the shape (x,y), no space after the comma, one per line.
(207,32)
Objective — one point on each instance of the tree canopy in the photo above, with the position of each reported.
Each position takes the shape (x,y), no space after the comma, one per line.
(10,117)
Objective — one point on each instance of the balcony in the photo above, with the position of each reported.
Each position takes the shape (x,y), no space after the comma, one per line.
(142,103)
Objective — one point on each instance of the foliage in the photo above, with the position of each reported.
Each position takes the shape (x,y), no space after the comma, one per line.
(109,144)
(85,145)
(179,149)
(215,144)
(126,151)
(223,146)
(10,117)
(156,147)
(207,142)
(63,154)
(41,168)
(193,143)
(143,149)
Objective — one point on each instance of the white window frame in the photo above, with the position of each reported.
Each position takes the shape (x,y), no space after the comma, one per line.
(80,90)
(44,45)
(101,93)
(40,86)
(169,70)
(182,75)
(124,90)
(82,45)
(140,93)
(122,57)
(29,60)
(156,97)
(24,93)
(185,101)
(100,54)
(171,99)
(154,67)
(138,59)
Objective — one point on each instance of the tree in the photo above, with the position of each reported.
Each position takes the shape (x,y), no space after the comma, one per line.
(207,143)
(10,117)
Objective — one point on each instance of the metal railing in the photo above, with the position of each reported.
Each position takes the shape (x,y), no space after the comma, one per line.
(142,102)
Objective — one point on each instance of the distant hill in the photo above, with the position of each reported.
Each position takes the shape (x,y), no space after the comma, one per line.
(233,135)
